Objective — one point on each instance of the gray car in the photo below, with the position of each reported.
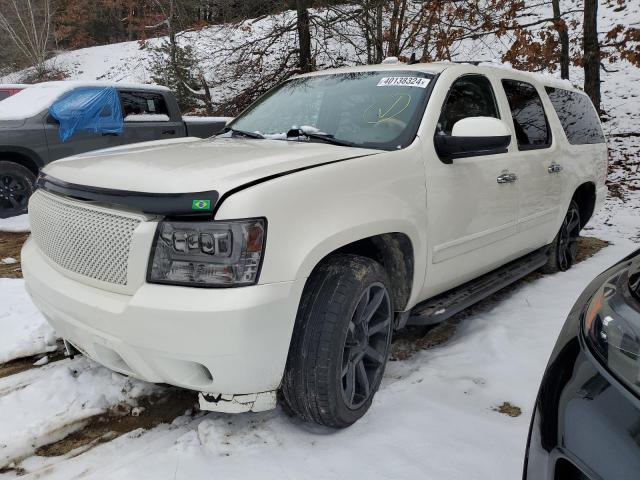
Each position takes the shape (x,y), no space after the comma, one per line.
(30,135)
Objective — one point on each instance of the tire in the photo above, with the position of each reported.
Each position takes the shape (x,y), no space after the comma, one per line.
(334,354)
(563,250)
(16,186)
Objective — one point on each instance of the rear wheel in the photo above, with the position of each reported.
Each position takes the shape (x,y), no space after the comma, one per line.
(564,249)
(340,343)
(16,186)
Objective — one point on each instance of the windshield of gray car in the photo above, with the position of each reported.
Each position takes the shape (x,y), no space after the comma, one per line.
(380,110)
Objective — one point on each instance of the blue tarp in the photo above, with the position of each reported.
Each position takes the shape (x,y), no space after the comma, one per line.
(90,109)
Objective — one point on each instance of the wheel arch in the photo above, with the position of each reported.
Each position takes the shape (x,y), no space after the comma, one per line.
(394,251)
(585,197)
(22,156)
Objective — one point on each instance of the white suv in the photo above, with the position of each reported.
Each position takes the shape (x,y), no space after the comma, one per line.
(344,204)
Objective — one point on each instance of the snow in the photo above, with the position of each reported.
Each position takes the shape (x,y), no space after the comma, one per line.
(39,97)
(48,407)
(25,332)
(8,261)
(15,224)
(192,119)
(146,117)
(433,417)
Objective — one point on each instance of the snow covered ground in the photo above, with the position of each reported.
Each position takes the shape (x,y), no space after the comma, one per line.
(15,224)
(434,417)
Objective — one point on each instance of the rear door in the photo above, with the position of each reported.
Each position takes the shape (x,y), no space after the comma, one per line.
(537,156)
(148,116)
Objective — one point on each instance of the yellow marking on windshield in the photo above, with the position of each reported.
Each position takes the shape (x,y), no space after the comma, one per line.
(403,101)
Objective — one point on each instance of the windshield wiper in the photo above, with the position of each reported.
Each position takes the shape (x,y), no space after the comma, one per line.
(326,137)
(243,133)
(330,139)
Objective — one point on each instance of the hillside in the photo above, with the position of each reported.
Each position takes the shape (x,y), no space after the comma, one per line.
(131,62)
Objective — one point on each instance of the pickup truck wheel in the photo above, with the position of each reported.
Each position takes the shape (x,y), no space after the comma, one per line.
(340,342)
(16,186)
(564,249)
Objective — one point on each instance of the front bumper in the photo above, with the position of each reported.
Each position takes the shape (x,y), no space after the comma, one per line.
(222,341)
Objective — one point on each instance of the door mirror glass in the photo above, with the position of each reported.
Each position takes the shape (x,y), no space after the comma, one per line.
(473,136)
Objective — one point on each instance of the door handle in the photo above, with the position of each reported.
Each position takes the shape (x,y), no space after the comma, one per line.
(169,132)
(507,178)
(554,168)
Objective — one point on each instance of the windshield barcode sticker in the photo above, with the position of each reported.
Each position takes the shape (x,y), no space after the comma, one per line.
(419,82)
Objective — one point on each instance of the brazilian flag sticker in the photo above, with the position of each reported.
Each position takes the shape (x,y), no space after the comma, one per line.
(201,205)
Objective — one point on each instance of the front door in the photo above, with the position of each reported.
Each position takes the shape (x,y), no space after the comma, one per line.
(471,213)
(80,141)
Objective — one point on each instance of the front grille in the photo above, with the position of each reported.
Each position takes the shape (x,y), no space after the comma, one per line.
(84,239)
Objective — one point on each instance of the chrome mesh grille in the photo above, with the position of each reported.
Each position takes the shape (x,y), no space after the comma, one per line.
(84,239)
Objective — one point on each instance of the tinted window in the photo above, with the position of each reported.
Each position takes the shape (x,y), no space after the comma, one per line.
(469,96)
(577,116)
(4,95)
(529,119)
(143,103)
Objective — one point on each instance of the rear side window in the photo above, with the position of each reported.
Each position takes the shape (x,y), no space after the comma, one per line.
(529,119)
(3,95)
(578,117)
(143,106)
(469,96)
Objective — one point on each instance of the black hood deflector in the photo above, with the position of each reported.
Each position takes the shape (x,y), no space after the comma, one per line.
(171,204)
(167,204)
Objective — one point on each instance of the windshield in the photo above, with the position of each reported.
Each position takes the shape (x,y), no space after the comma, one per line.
(366,109)
(30,101)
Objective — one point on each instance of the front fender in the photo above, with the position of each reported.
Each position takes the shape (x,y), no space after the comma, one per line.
(316,211)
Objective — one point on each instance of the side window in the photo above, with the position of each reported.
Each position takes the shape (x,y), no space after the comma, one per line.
(529,119)
(469,96)
(144,107)
(578,117)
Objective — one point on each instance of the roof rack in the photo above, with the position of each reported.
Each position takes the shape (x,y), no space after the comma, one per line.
(475,63)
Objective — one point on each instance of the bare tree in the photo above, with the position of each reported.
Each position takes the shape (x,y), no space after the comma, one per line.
(27,23)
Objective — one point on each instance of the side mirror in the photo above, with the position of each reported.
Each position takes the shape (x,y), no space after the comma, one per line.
(473,136)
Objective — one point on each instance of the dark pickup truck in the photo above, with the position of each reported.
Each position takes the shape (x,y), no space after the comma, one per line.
(31,136)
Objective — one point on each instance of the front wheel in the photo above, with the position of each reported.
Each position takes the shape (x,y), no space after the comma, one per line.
(564,249)
(340,342)
(16,186)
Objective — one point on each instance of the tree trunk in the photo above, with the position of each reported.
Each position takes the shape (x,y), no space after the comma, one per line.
(172,36)
(591,52)
(379,35)
(304,36)
(563,35)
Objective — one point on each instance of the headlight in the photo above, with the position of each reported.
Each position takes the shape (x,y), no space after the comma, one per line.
(612,327)
(208,254)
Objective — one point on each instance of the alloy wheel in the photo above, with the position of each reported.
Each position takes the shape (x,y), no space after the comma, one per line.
(366,345)
(568,239)
(14,194)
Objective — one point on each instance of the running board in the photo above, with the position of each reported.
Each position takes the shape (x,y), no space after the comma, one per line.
(447,304)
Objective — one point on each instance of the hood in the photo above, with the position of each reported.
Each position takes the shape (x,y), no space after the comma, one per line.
(194,165)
